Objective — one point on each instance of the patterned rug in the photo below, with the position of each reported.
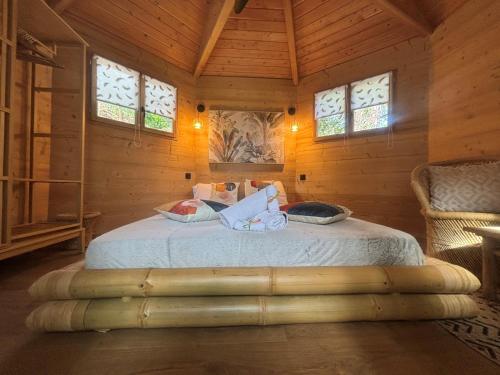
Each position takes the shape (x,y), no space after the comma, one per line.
(481,333)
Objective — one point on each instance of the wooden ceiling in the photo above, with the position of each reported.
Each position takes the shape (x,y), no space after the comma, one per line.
(286,39)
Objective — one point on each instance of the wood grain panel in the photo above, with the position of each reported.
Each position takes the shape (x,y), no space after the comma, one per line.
(328,32)
(370,174)
(259,28)
(166,28)
(464,105)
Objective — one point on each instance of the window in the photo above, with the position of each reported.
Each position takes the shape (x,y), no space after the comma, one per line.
(370,103)
(330,111)
(117,91)
(126,97)
(357,107)
(159,105)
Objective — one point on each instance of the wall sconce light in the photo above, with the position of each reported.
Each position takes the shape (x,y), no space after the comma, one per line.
(294,127)
(197,123)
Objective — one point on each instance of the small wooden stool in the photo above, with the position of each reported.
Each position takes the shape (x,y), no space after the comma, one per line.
(490,249)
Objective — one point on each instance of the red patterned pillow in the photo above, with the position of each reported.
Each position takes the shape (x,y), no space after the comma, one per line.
(191,210)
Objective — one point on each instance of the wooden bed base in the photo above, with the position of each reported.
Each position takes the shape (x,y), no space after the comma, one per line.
(76,283)
(79,299)
(160,312)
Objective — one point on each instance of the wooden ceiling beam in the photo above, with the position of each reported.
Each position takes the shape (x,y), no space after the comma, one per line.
(290,34)
(218,13)
(407,12)
(60,6)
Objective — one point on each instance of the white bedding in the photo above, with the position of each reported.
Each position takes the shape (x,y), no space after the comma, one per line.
(157,242)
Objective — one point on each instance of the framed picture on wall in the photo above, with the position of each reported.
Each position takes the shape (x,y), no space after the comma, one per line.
(255,137)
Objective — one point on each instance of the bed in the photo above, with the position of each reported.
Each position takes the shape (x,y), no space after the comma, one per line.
(156,242)
(160,273)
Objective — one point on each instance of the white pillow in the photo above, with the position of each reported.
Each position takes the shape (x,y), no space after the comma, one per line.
(202,191)
(253,186)
(222,192)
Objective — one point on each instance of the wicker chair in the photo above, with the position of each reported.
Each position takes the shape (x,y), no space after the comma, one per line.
(446,238)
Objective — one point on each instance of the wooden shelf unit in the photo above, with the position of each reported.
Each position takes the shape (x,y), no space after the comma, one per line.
(42,135)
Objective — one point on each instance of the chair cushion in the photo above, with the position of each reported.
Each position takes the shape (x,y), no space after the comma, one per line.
(466,187)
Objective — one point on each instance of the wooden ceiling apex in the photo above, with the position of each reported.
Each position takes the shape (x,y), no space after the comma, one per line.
(278,39)
(218,13)
(407,12)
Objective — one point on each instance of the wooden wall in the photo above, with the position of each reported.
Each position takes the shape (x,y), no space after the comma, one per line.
(245,94)
(370,174)
(464,95)
(126,179)
(125,182)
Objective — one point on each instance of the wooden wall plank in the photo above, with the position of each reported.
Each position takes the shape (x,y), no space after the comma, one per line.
(464,105)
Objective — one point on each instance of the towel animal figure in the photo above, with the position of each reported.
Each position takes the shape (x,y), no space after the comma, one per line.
(259,212)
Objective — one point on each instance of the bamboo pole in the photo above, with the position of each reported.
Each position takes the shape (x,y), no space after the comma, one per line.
(161,312)
(439,277)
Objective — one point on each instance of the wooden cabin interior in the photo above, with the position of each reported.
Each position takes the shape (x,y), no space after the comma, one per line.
(136,135)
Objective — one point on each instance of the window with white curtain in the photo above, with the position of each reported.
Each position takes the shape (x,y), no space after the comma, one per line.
(126,97)
(330,114)
(370,103)
(358,107)
(160,105)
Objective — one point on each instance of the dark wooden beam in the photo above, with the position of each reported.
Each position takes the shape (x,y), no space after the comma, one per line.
(407,12)
(290,33)
(218,13)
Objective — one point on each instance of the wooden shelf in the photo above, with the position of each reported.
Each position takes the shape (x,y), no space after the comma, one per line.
(35,229)
(63,114)
(55,90)
(46,181)
(32,243)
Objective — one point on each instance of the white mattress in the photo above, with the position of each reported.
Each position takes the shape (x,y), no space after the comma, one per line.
(157,242)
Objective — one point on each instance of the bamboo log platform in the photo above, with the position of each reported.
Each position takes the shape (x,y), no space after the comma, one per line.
(162,312)
(76,283)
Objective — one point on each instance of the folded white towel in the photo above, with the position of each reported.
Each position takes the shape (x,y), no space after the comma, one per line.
(259,211)
(265,221)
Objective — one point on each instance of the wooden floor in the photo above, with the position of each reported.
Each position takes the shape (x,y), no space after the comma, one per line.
(345,348)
